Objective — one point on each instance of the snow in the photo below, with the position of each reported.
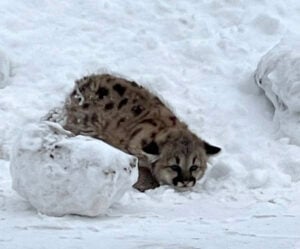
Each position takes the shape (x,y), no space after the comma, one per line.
(60,174)
(4,69)
(200,56)
(278,75)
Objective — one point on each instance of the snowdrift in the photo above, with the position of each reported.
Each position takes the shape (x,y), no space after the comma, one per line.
(278,74)
(60,174)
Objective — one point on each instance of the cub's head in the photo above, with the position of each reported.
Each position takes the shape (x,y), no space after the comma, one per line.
(179,158)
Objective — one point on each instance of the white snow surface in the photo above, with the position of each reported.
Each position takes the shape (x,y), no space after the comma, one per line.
(278,73)
(200,57)
(60,174)
(5,69)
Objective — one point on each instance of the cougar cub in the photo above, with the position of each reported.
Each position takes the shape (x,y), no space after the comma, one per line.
(127,116)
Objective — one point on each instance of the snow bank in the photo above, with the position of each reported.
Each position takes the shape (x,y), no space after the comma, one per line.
(61,174)
(278,74)
(4,69)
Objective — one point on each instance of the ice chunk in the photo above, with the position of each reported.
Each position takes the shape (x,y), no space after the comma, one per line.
(60,174)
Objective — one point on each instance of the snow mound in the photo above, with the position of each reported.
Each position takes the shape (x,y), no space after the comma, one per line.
(60,174)
(278,74)
(4,69)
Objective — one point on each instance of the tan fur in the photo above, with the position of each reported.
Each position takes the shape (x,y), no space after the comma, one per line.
(129,117)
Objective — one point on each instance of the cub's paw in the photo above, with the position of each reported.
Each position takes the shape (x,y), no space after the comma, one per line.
(145,181)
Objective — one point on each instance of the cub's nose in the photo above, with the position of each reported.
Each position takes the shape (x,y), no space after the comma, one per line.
(185,184)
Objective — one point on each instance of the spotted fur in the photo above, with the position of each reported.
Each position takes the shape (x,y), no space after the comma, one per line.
(127,116)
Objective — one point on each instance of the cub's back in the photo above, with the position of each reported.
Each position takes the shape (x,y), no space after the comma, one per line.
(117,111)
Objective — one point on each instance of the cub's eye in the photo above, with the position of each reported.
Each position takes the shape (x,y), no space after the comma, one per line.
(175,168)
(194,167)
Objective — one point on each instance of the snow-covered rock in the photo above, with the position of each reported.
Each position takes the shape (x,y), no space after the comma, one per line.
(4,69)
(278,74)
(60,174)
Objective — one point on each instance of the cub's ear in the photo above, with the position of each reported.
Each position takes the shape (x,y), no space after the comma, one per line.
(210,149)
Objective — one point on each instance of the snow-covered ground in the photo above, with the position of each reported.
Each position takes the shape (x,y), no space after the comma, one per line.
(199,56)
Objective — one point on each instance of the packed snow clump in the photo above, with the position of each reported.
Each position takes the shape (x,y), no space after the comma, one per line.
(278,74)
(4,69)
(60,174)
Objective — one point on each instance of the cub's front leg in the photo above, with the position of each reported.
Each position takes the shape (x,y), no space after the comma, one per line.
(145,180)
